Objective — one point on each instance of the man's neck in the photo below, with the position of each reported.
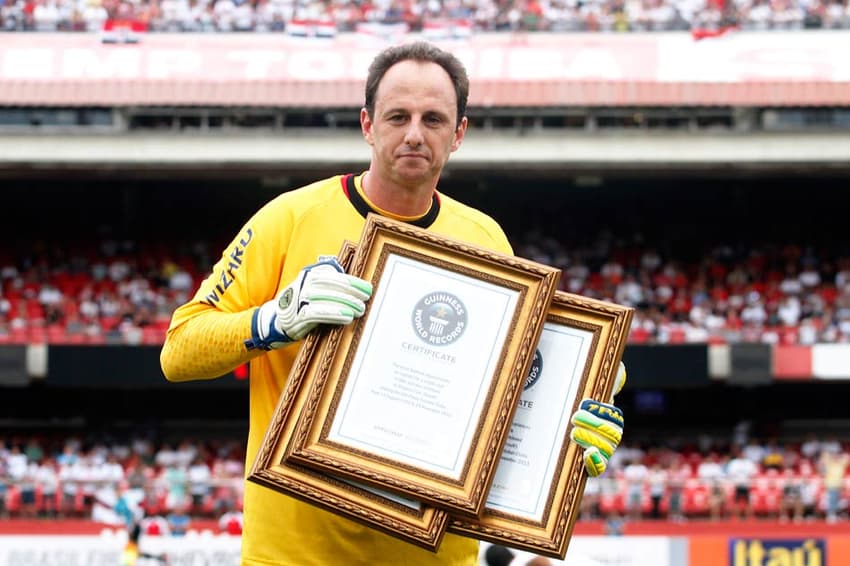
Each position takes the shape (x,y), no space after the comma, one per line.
(397,199)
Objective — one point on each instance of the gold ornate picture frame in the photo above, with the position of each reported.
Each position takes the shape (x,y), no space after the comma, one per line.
(416,397)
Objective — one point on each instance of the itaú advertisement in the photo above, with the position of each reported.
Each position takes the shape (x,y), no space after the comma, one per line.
(105,550)
(777,552)
(803,549)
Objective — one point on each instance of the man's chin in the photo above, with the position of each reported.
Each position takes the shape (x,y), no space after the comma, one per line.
(414,175)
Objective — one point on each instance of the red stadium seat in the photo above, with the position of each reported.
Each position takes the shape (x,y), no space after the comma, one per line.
(766,493)
(75,338)
(13,500)
(695,498)
(108,323)
(79,506)
(95,339)
(677,336)
(19,335)
(37,335)
(55,334)
(153,335)
(610,503)
(207,506)
(35,313)
(153,529)
(639,335)
(162,322)
(645,501)
(233,527)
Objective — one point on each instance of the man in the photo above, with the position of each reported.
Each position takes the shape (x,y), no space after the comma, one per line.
(635,475)
(741,471)
(269,290)
(833,465)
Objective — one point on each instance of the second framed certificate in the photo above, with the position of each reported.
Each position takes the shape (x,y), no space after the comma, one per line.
(533,501)
(416,397)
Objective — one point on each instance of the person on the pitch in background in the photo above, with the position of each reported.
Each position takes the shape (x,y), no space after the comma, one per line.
(277,280)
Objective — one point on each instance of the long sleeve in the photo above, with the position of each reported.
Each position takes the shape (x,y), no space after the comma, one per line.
(207,335)
(208,346)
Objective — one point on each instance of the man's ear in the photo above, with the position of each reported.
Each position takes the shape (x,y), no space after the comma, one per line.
(366,125)
(460,132)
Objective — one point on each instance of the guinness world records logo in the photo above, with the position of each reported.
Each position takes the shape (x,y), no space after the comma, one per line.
(439,318)
(534,371)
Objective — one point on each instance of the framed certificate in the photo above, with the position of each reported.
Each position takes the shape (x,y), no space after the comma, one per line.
(401,517)
(416,397)
(533,501)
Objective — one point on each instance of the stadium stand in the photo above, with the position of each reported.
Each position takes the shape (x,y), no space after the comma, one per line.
(793,290)
(61,476)
(140,271)
(436,20)
(124,293)
(65,476)
(710,250)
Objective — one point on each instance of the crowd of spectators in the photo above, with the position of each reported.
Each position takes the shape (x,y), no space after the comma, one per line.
(124,293)
(116,292)
(170,483)
(747,479)
(452,18)
(184,481)
(777,294)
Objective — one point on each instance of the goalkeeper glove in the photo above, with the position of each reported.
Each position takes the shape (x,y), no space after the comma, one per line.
(321,293)
(598,428)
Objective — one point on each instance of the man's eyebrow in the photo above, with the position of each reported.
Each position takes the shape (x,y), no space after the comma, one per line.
(403,110)
(396,110)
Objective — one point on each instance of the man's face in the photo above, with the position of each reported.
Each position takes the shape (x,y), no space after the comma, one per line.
(413,130)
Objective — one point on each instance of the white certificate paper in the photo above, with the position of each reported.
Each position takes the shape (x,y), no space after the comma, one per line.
(530,455)
(428,354)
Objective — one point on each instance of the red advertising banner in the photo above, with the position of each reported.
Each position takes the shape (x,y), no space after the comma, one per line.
(630,69)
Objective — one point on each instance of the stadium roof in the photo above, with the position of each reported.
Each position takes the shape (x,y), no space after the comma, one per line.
(631,69)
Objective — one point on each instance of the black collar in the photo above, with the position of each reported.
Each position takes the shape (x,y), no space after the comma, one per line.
(363,207)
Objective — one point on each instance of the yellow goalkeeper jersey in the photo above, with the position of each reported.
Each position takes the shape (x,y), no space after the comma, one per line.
(208,332)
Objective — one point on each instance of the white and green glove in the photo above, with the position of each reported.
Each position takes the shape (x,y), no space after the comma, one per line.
(322,293)
(598,428)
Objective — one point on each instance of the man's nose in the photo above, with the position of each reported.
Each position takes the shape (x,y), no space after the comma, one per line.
(413,136)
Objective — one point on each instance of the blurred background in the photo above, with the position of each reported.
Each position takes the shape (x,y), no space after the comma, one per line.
(684,157)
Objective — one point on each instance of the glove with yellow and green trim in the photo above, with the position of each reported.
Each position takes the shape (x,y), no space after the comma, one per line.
(598,428)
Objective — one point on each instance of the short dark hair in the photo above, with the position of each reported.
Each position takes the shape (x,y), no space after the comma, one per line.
(426,53)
